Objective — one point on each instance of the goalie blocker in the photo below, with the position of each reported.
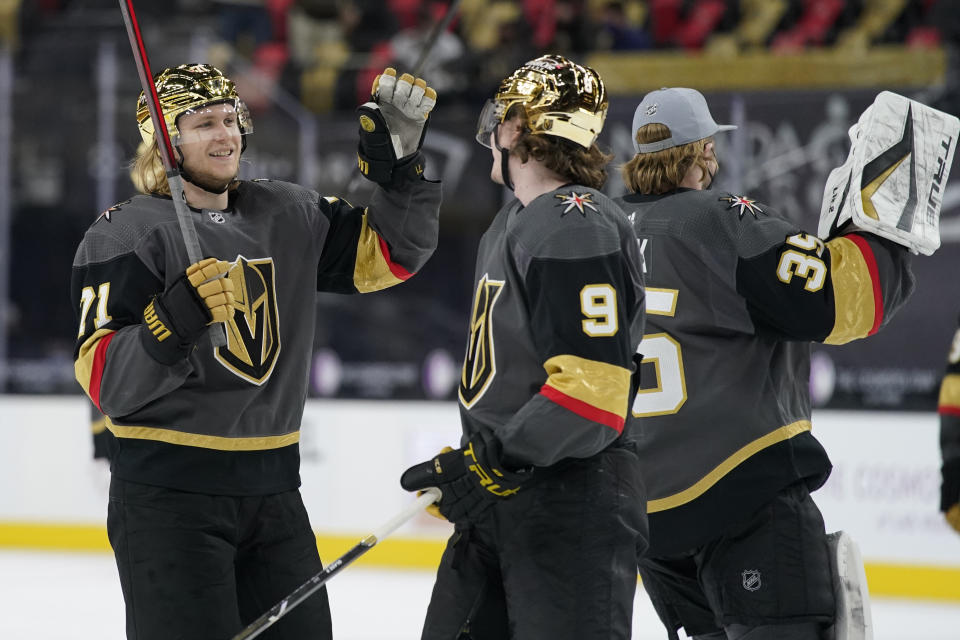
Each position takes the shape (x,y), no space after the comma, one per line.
(893,179)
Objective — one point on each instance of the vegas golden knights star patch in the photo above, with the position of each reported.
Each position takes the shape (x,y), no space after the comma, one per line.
(253,333)
(574,201)
(746,204)
(479,365)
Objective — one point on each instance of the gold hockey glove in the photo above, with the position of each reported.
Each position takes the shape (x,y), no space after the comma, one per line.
(392,128)
(471,479)
(175,319)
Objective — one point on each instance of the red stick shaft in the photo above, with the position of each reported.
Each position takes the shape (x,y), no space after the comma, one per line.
(146,82)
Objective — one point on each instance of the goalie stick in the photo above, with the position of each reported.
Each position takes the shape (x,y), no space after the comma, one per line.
(174,180)
(309,587)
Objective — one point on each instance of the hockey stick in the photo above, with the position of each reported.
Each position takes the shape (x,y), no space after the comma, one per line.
(174,181)
(438,28)
(307,589)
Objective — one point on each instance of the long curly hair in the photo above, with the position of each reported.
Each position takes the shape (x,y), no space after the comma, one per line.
(661,171)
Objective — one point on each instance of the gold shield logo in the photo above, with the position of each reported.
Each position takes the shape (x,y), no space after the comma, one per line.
(479,365)
(253,333)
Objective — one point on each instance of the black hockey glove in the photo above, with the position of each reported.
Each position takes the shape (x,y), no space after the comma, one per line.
(392,127)
(175,319)
(471,479)
(950,492)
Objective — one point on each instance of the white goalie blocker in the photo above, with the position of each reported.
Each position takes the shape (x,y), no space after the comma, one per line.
(893,179)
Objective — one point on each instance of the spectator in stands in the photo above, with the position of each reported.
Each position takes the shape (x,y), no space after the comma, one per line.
(617,33)
(443,67)
(512,47)
(244,24)
(367,29)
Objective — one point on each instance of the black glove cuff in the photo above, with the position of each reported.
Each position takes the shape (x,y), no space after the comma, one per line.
(375,154)
(173,322)
(950,488)
(390,173)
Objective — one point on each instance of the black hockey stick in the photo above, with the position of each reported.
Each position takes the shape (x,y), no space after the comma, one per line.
(174,181)
(438,28)
(309,587)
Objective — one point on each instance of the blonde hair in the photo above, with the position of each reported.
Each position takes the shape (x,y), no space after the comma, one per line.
(662,171)
(565,158)
(146,170)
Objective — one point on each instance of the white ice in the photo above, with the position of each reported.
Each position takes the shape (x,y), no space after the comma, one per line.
(76,596)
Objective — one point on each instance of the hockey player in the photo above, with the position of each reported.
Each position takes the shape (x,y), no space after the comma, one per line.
(949,410)
(736,295)
(547,503)
(205,514)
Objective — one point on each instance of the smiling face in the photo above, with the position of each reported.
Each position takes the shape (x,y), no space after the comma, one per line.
(210,142)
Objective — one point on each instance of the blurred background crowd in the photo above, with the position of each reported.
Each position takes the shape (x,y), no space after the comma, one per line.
(792,74)
(325,52)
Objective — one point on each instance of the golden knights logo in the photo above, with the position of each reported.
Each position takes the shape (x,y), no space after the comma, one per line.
(479,365)
(253,333)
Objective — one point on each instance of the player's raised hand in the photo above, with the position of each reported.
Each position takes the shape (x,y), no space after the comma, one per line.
(392,127)
(175,319)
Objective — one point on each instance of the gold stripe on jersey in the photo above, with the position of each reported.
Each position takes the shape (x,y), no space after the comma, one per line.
(372,271)
(219,443)
(688,495)
(599,384)
(98,426)
(950,391)
(854,304)
(83,365)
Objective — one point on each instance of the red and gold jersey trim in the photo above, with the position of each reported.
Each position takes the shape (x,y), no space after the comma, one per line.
(949,402)
(858,299)
(172,436)
(594,390)
(691,493)
(90,362)
(374,270)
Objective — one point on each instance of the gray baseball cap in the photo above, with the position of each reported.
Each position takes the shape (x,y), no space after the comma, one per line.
(683,111)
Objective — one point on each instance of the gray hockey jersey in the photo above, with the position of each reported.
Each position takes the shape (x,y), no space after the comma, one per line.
(557,315)
(227,419)
(735,295)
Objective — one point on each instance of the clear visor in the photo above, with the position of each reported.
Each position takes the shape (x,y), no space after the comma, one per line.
(213,121)
(490,119)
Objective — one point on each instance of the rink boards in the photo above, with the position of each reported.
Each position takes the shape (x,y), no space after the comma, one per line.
(884,489)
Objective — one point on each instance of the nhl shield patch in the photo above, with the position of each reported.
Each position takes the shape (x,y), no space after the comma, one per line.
(751,580)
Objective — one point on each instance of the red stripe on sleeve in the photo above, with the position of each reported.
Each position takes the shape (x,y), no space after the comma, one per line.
(583,409)
(96,373)
(395,269)
(947,410)
(871,261)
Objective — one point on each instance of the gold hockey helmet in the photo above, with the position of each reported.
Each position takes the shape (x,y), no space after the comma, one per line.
(187,88)
(561,98)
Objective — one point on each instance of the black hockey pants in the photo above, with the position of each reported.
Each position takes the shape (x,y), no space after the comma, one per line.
(557,561)
(201,567)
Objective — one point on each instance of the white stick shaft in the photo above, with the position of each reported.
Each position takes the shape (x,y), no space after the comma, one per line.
(429,496)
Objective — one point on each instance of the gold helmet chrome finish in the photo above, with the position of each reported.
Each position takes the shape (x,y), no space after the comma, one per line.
(187,88)
(561,98)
